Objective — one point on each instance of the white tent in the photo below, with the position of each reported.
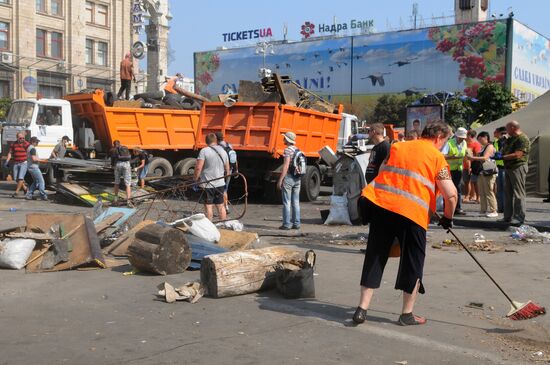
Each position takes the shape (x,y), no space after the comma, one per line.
(534,120)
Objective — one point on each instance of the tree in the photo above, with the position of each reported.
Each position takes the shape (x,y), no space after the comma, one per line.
(391,108)
(494,102)
(5,104)
(458,112)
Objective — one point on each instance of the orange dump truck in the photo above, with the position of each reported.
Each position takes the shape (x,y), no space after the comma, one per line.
(168,134)
(255,132)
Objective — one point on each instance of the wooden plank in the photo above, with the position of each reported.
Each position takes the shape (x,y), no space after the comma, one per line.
(120,246)
(235,241)
(107,222)
(31,236)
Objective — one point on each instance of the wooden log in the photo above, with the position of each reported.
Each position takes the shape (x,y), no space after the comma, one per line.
(159,250)
(120,246)
(243,272)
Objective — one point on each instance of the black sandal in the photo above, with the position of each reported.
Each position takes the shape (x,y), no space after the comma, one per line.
(360,315)
(409,319)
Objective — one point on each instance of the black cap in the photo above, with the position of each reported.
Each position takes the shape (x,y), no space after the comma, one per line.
(34,139)
(65,138)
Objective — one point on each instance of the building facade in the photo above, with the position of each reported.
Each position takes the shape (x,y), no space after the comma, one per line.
(52,47)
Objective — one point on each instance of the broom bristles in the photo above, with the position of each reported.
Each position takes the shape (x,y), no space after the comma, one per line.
(527,310)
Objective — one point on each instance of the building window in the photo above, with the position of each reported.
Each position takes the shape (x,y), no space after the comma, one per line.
(49,91)
(89,51)
(4,36)
(102,53)
(97,13)
(57,45)
(101,14)
(41,42)
(56,7)
(4,1)
(4,87)
(41,6)
(89,12)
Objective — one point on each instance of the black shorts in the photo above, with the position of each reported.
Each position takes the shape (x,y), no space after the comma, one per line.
(385,227)
(213,195)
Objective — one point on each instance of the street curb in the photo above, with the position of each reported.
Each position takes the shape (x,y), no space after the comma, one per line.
(493,224)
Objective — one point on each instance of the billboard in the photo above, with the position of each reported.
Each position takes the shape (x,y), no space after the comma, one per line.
(360,69)
(420,115)
(530,70)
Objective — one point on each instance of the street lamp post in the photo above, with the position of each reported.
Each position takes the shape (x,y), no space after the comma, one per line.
(264,48)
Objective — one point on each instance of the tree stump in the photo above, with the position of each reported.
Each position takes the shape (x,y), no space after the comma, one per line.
(159,250)
(242,272)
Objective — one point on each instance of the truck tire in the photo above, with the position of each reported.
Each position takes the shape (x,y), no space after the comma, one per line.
(185,166)
(311,184)
(160,167)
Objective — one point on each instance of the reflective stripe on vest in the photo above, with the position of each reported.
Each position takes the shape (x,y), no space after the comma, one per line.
(403,193)
(409,173)
(454,151)
(496,144)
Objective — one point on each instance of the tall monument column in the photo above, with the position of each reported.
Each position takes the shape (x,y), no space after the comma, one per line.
(157,43)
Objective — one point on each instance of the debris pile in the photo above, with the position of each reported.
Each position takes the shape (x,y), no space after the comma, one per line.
(278,89)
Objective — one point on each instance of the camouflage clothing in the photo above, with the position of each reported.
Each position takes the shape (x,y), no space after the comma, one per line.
(513,144)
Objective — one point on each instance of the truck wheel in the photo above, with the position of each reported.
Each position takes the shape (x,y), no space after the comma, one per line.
(160,167)
(311,184)
(185,166)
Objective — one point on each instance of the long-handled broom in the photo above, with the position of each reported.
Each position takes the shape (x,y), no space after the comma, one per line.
(519,310)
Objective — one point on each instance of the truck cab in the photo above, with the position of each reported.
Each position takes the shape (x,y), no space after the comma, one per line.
(47,119)
(349,126)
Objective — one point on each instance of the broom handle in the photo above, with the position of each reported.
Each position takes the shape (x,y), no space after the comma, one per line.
(479,263)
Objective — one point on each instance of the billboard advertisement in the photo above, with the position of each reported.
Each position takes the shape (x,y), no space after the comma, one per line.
(420,115)
(323,66)
(530,71)
(364,67)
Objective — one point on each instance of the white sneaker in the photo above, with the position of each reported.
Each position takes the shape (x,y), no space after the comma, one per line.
(492,215)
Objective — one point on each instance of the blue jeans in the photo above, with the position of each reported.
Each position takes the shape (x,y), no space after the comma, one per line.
(37,182)
(291,201)
(500,189)
(19,171)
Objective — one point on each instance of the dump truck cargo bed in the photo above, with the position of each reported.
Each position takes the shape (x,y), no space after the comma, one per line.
(150,129)
(259,126)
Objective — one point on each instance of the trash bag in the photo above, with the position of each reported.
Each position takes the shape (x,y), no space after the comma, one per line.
(293,284)
(339,213)
(201,226)
(15,253)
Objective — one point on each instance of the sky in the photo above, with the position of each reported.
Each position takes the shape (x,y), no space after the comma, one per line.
(199,26)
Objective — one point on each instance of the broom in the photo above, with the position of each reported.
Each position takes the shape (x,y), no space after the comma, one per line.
(518,311)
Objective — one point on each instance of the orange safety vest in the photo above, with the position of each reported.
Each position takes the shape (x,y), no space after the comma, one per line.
(170,86)
(406,183)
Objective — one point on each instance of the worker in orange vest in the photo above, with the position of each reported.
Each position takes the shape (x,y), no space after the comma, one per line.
(171,84)
(399,202)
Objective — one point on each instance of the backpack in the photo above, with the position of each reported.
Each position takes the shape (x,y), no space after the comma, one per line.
(232,156)
(298,164)
(123,154)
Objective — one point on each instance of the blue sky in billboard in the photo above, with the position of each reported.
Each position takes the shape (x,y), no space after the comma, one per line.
(201,27)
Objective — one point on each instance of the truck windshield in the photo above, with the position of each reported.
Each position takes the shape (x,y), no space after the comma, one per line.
(20,113)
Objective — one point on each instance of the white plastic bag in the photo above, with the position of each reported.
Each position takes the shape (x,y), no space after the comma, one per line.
(200,226)
(233,225)
(339,213)
(15,253)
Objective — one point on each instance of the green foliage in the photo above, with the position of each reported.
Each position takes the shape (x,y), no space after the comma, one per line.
(5,104)
(458,112)
(494,102)
(391,108)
